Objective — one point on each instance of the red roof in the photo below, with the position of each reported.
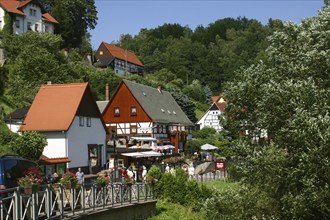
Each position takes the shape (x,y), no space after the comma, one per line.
(220,102)
(47,17)
(122,54)
(54,107)
(16,7)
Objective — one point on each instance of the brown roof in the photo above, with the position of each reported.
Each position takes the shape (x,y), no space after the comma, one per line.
(215,98)
(220,102)
(44,159)
(16,7)
(54,107)
(122,54)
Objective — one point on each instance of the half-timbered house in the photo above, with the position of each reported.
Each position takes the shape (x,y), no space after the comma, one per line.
(211,116)
(137,113)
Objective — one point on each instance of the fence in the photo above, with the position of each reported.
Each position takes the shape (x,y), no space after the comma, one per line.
(218,174)
(56,202)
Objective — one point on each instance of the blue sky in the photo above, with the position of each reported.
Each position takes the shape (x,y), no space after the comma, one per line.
(116,17)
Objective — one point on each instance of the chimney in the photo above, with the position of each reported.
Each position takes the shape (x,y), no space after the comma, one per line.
(107,92)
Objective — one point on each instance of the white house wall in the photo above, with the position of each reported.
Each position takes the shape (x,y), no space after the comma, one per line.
(79,138)
(56,146)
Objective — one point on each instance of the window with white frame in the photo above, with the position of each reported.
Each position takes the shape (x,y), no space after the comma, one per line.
(29,26)
(33,12)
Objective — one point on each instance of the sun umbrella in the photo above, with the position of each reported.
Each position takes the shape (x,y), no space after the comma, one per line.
(168,147)
(208,147)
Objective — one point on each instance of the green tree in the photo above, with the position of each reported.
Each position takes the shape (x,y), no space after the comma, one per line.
(29,145)
(288,97)
(76,17)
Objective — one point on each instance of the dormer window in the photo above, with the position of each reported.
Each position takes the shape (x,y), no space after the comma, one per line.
(116,111)
(162,110)
(133,110)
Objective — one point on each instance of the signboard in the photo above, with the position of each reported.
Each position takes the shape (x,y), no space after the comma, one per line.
(220,165)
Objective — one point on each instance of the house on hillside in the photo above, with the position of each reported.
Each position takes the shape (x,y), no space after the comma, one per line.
(211,116)
(69,118)
(26,15)
(139,113)
(15,119)
(119,59)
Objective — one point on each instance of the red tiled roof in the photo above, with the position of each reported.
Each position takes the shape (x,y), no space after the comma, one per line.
(122,54)
(54,107)
(47,17)
(215,98)
(11,6)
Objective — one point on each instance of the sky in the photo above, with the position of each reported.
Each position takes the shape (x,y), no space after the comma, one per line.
(116,17)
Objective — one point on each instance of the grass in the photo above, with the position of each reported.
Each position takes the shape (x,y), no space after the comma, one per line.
(171,211)
(221,184)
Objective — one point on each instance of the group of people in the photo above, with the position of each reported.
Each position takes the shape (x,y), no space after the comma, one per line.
(132,174)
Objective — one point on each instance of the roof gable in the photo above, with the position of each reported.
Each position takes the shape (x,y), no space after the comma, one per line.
(122,54)
(159,105)
(55,107)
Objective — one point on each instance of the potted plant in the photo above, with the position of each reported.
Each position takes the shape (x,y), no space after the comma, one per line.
(31,180)
(102,180)
(69,180)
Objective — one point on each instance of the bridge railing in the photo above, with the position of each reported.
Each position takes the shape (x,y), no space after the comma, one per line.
(55,201)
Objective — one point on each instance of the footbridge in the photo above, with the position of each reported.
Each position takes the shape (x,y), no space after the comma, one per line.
(113,201)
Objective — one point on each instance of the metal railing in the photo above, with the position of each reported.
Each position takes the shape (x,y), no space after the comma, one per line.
(54,201)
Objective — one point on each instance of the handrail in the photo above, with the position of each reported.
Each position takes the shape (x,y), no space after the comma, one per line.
(53,200)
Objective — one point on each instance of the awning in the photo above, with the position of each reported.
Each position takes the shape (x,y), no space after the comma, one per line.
(142,154)
(44,159)
(144,138)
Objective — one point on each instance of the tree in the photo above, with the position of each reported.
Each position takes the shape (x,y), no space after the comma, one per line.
(187,106)
(29,145)
(288,96)
(76,17)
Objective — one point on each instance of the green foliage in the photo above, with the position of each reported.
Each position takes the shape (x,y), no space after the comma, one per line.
(30,145)
(187,106)
(240,203)
(204,133)
(76,18)
(288,96)
(8,23)
(166,210)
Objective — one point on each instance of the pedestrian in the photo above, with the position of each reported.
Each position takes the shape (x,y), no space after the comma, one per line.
(80,176)
(144,174)
(167,168)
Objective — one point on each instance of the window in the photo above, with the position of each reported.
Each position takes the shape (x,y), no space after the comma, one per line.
(116,111)
(81,121)
(46,28)
(36,26)
(89,122)
(17,24)
(29,26)
(133,129)
(133,110)
(101,52)
(33,12)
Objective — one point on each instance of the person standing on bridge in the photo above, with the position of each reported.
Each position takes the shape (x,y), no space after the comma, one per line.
(80,176)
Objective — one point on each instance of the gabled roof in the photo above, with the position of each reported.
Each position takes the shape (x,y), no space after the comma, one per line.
(122,54)
(159,105)
(102,105)
(16,7)
(55,107)
(17,115)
